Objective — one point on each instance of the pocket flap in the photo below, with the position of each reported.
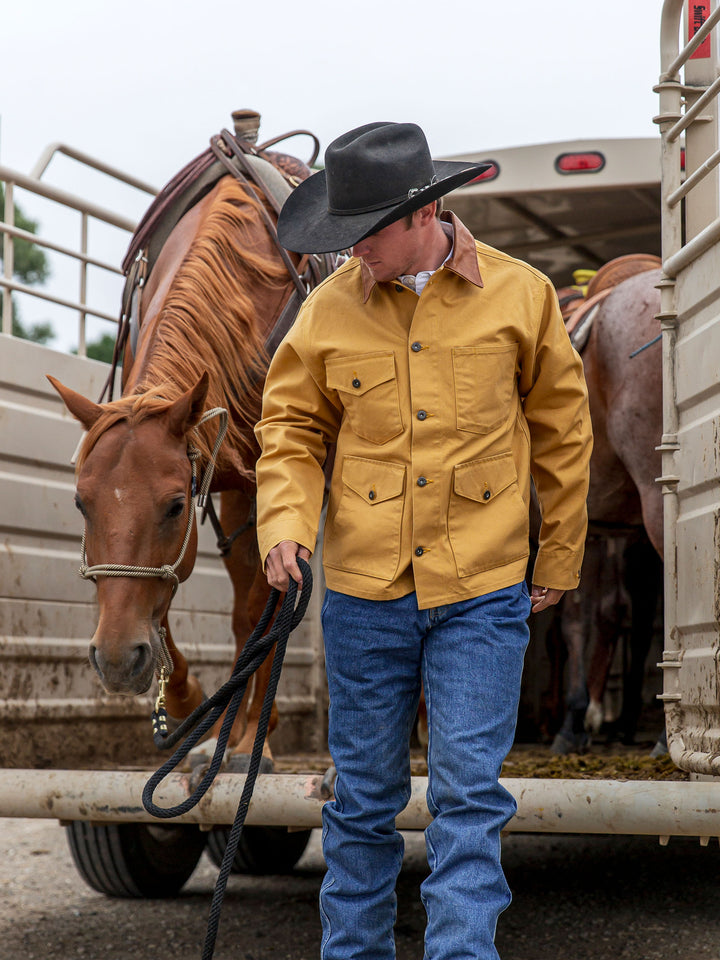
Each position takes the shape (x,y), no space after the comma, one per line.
(483,480)
(357,375)
(373,480)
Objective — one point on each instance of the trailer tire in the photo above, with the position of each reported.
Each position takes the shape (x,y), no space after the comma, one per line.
(261,850)
(135,859)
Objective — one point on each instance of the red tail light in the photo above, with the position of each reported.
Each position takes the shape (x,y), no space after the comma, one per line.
(591,161)
(492,173)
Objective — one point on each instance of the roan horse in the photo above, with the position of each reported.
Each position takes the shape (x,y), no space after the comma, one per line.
(210,303)
(625,392)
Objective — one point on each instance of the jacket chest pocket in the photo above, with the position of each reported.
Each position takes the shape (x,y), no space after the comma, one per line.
(484,380)
(368,390)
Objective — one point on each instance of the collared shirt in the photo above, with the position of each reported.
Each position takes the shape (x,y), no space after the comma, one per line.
(418,281)
(441,407)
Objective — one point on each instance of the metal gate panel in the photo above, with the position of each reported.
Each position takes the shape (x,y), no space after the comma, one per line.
(690,320)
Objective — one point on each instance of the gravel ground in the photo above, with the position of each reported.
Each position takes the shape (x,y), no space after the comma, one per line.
(576,898)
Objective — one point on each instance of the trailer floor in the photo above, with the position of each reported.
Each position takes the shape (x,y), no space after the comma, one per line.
(602,762)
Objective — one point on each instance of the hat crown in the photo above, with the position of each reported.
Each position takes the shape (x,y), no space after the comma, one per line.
(376,166)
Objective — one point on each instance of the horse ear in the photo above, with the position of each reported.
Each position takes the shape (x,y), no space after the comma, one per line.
(79,406)
(186,411)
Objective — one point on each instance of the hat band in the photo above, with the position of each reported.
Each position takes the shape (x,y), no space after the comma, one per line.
(384,203)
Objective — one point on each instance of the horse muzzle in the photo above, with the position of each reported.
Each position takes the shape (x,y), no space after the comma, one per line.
(126,670)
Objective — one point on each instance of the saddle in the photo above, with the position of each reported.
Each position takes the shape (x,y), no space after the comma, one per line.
(579,303)
(275,174)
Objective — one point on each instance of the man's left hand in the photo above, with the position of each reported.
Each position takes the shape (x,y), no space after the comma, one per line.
(543,597)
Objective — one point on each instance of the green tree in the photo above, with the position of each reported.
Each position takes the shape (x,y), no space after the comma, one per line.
(30,263)
(101,349)
(30,266)
(38,332)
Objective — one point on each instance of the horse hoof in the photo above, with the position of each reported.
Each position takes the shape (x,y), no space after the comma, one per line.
(561,745)
(240,763)
(201,755)
(327,787)
(660,750)
(196,775)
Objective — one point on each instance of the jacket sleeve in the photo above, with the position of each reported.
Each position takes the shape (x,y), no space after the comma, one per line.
(299,422)
(558,416)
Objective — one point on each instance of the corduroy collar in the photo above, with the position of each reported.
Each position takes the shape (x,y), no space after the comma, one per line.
(463,261)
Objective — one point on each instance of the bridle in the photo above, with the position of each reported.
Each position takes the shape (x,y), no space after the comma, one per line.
(168,570)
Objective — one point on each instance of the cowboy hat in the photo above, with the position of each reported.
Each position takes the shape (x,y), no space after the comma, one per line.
(373,176)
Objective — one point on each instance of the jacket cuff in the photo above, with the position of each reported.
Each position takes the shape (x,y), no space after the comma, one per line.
(557,570)
(270,536)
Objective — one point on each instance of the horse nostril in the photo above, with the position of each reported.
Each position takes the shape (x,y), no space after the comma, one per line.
(139,659)
(94,662)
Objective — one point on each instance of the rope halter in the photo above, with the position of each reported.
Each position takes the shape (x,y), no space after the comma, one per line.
(168,570)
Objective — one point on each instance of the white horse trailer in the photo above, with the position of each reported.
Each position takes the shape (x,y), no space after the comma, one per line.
(68,751)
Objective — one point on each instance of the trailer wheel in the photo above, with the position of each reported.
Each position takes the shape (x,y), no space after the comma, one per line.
(135,859)
(262,850)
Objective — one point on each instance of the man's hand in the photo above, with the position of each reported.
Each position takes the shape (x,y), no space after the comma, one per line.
(543,597)
(281,564)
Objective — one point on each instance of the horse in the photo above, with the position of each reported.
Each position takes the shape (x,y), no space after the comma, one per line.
(624,547)
(216,291)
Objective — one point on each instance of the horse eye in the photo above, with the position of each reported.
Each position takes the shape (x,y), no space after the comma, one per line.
(175,509)
(79,504)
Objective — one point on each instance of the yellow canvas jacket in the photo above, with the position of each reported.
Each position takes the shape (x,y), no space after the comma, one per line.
(442,407)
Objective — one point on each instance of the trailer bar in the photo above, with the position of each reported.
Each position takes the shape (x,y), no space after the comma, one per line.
(633,807)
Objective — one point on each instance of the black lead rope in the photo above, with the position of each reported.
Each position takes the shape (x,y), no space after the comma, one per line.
(229,697)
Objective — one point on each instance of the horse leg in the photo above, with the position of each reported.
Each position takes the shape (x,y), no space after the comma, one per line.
(253,701)
(608,608)
(643,577)
(571,737)
(250,590)
(578,628)
(183,692)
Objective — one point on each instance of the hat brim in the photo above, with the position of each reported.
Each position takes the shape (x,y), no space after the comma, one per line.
(305,224)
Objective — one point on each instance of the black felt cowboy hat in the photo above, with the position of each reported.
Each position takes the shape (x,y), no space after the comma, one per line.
(373,175)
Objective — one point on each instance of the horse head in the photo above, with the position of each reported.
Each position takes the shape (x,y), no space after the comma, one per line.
(135,491)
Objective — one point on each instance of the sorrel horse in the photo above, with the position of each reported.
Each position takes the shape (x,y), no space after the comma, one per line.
(625,391)
(212,298)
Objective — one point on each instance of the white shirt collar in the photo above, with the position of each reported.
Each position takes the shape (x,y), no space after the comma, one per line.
(418,282)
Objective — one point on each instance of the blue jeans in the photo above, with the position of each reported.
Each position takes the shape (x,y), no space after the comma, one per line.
(468,657)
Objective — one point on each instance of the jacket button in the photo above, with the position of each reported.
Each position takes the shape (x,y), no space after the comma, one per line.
(422,481)
(356,382)
(487,495)
(371,495)
(416,347)
(399,287)
(419,551)
(422,415)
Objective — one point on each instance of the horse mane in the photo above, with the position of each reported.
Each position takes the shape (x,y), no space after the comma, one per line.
(209,322)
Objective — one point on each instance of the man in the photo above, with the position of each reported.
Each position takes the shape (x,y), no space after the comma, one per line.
(442,370)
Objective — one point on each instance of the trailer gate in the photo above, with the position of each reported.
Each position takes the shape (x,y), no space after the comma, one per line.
(690,319)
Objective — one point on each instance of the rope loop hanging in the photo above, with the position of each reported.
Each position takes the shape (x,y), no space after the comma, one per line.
(228,699)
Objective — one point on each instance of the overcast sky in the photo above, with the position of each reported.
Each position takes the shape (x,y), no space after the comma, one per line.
(144,85)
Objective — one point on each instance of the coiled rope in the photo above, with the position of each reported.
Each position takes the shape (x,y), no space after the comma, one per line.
(229,697)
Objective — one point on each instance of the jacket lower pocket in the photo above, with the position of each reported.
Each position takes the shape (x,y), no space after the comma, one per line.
(488,521)
(364,529)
